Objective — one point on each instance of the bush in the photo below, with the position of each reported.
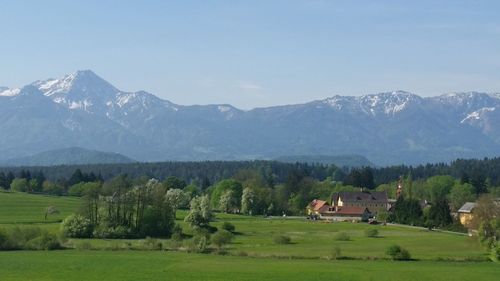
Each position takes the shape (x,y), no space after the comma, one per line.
(282,239)
(28,238)
(19,236)
(177,233)
(197,244)
(336,253)
(112,232)
(151,244)
(371,232)
(228,226)
(495,254)
(396,252)
(342,236)
(77,226)
(46,241)
(5,242)
(221,238)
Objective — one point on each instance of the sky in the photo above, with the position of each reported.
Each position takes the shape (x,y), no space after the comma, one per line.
(256,53)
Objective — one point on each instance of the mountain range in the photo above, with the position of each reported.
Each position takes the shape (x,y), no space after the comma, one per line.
(83,110)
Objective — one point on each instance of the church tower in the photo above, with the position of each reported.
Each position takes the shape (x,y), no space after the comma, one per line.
(399,190)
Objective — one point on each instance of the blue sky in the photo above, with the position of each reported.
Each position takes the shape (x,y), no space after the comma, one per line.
(256,53)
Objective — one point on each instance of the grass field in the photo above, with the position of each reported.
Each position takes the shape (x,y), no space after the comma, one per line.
(440,256)
(137,265)
(29,208)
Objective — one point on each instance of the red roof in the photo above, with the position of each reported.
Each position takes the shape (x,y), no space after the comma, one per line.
(318,204)
(351,210)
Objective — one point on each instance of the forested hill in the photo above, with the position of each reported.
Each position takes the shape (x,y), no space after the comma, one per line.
(203,173)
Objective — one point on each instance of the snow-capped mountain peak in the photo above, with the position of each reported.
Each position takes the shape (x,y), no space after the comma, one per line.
(81,90)
(82,82)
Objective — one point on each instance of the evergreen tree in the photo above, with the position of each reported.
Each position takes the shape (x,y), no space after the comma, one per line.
(3,180)
(407,211)
(478,180)
(10,177)
(77,177)
(464,178)
(439,214)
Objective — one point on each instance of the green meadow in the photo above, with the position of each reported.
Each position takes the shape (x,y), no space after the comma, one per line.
(252,255)
(143,265)
(29,208)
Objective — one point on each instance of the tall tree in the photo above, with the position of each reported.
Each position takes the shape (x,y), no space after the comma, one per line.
(439,214)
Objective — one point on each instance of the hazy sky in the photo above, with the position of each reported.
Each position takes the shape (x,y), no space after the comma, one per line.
(256,53)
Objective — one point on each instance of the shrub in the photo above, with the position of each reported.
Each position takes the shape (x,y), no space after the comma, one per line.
(20,236)
(282,239)
(29,238)
(46,241)
(336,253)
(151,244)
(20,185)
(77,226)
(228,226)
(112,232)
(371,232)
(5,242)
(396,252)
(197,244)
(495,254)
(76,189)
(342,236)
(221,238)
(176,233)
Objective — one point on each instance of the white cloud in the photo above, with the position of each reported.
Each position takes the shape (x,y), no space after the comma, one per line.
(248,86)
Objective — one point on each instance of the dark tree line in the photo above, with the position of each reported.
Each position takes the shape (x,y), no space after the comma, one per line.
(474,171)
(478,173)
(204,174)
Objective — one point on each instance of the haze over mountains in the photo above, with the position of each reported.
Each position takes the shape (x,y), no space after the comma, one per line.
(68,156)
(83,110)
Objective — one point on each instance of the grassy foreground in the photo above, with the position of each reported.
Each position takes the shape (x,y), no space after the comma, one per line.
(261,259)
(138,265)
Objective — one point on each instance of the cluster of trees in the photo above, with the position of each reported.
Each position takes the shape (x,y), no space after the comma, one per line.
(250,193)
(122,207)
(430,203)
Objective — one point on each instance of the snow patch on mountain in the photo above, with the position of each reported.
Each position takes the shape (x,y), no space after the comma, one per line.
(389,103)
(478,114)
(6,92)
(224,108)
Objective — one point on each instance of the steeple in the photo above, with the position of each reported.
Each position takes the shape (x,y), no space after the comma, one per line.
(399,190)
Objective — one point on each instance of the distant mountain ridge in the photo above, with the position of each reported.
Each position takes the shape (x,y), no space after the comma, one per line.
(84,110)
(69,156)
